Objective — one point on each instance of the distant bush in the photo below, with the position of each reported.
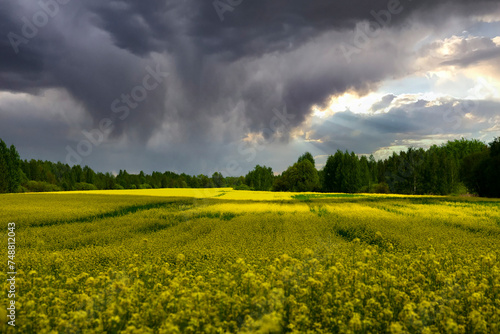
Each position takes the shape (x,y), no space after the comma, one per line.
(118,187)
(145,186)
(21,189)
(39,186)
(242,187)
(85,186)
(460,190)
(364,189)
(380,188)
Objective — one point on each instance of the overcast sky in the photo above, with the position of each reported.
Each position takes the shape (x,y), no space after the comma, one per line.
(199,86)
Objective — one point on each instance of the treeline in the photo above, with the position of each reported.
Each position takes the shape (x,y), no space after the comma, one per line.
(457,167)
(460,166)
(10,174)
(48,176)
(18,175)
(481,171)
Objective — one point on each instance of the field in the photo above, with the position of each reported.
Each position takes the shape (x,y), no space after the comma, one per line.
(219,260)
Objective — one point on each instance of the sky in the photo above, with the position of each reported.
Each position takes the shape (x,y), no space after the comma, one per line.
(202,86)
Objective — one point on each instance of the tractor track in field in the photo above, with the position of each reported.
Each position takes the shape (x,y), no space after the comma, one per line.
(111,214)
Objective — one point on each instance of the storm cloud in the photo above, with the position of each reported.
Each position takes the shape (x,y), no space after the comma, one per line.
(229,64)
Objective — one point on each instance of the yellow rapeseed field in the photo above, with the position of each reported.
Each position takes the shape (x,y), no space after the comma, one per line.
(225,261)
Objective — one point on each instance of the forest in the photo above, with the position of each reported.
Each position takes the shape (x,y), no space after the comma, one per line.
(465,166)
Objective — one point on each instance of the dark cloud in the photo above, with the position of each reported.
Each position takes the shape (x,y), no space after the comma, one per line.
(383,103)
(263,55)
(475,57)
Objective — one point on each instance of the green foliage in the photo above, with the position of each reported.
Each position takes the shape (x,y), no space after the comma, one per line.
(242,187)
(480,171)
(67,178)
(281,183)
(309,197)
(331,182)
(41,186)
(364,174)
(4,168)
(439,170)
(464,147)
(380,188)
(343,173)
(350,173)
(307,156)
(218,180)
(301,177)
(14,169)
(15,175)
(85,186)
(495,147)
(260,178)
(10,172)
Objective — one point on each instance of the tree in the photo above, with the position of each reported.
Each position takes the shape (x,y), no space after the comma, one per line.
(301,177)
(480,171)
(10,168)
(403,171)
(14,169)
(205,181)
(281,183)
(373,166)
(492,170)
(470,169)
(88,175)
(4,167)
(77,174)
(260,178)
(331,181)
(495,147)
(218,180)
(464,147)
(352,179)
(307,156)
(365,176)
(437,170)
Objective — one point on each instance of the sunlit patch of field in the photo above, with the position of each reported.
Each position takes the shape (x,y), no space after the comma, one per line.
(219,260)
(223,193)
